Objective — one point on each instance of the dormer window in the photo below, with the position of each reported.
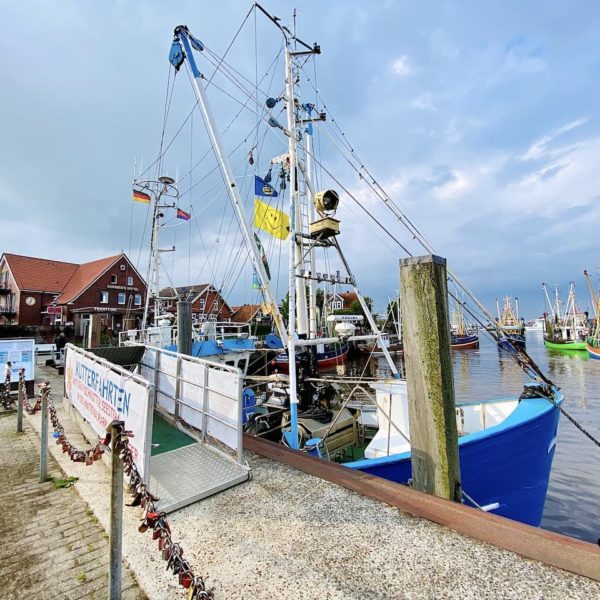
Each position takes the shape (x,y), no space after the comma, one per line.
(113,279)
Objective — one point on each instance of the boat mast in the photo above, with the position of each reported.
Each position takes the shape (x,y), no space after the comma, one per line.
(552,313)
(154,265)
(294,218)
(593,295)
(312,288)
(183,35)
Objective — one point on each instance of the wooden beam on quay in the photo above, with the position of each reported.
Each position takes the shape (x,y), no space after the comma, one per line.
(569,554)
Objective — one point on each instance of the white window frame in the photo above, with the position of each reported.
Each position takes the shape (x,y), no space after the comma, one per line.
(121,295)
(129,280)
(113,279)
(103,297)
(136,298)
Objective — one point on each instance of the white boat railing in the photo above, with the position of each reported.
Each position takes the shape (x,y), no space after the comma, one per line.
(161,336)
(201,393)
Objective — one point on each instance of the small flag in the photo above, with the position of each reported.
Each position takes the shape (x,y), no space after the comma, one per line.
(181,214)
(141,197)
(262,188)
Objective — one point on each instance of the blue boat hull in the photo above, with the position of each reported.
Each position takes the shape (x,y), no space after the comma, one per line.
(517,340)
(508,464)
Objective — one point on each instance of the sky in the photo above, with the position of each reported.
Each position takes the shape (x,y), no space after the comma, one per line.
(481,120)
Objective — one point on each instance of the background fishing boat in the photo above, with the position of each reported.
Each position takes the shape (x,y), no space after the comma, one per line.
(509,323)
(565,329)
(592,342)
(462,336)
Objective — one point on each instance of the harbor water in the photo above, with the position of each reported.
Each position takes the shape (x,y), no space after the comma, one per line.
(574,493)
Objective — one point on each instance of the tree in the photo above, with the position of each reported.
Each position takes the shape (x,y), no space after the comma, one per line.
(284,306)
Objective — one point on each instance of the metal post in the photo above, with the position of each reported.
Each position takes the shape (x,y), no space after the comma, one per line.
(184,327)
(20,400)
(45,391)
(115,538)
(429,378)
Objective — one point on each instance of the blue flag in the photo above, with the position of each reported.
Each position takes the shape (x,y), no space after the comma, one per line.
(262,188)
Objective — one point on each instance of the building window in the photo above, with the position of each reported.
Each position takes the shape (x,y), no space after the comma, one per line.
(338,305)
(129,279)
(137,299)
(121,298)
(113,279)
(201,304)
(103,297)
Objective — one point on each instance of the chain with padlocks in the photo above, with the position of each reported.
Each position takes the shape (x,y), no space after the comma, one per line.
(156,521)
(31,410)
(5,399)
(153,520)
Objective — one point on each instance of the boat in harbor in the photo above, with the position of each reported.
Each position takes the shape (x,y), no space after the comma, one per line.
(566,328)
(391,340)
(536,326)
(509,323)
(592,342)
(506,445)
(462,337)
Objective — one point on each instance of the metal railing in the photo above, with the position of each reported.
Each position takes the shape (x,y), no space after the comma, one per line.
(200,393)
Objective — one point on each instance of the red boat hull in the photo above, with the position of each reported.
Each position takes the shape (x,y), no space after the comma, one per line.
(322,365)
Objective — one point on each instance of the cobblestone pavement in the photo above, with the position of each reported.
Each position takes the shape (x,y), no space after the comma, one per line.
(52,544)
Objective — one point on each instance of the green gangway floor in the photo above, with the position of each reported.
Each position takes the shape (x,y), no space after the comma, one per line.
(165,437)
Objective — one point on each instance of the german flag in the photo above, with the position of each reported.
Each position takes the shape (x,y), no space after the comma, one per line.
(140,197)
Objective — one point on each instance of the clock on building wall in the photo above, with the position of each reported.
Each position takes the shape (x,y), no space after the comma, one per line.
(30,300)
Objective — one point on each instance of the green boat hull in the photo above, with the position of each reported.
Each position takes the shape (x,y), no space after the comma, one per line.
(579,345)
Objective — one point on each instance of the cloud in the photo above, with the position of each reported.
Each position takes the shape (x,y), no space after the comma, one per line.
(401,66)
(540,148)
(455,184)
(522,57)
(423,102)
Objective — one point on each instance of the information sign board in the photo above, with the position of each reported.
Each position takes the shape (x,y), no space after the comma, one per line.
(103,394)
(20,353)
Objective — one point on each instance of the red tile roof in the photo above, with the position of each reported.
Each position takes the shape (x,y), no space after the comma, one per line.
(40,274)
(244,313)
(84,276)
(348,297)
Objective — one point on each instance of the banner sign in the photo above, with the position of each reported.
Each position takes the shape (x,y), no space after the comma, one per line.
(20,354)
(103,394)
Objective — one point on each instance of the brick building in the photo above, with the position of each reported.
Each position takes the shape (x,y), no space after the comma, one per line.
(207,302)
(43,292)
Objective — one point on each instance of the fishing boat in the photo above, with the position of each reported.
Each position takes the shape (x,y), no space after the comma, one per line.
(328,357)
(506,445)
(462,337)
(566,328)
(391,340)
(509,323)
(592,343)
(536,326)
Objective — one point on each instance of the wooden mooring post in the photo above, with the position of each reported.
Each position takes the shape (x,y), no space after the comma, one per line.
(430,383)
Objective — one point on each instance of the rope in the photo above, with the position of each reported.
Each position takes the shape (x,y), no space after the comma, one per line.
(579,426)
